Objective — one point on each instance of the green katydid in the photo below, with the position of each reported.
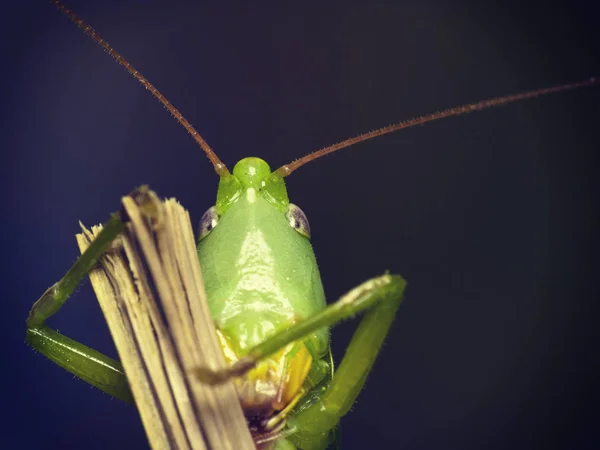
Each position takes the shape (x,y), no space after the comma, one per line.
(236,205)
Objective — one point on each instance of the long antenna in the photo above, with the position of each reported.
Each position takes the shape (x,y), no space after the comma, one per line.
(287,169)
(220,168)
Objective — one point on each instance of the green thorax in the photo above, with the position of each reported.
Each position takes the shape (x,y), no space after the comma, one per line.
(260,273)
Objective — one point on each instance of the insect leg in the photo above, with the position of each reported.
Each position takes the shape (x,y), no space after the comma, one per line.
(91,366)
(379,291)
(315,421)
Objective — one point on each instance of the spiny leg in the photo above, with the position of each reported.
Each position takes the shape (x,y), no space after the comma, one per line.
(88,364)
(314,423)
(84,362)
(91,366)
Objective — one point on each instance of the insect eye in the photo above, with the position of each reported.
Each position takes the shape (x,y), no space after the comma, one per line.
(208,221)
(297,220)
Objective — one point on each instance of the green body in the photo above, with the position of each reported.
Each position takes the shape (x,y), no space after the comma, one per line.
(260,274)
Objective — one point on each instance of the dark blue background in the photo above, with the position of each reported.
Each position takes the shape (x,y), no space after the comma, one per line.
(491,217)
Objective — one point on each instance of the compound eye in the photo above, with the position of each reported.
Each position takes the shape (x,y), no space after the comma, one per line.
(209,220)
(297,220)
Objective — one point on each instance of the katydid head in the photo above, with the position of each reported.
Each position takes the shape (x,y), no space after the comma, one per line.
(252,178)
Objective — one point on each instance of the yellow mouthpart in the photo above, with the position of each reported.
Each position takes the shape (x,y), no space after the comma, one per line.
(275,381)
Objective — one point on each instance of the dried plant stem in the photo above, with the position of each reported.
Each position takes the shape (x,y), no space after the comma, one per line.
(152,295)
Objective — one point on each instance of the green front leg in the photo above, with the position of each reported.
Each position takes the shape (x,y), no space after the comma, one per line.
(363,297)
(97,369)
(316,421)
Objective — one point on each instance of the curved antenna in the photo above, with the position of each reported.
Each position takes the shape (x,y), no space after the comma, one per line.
(287,169)
(220,168)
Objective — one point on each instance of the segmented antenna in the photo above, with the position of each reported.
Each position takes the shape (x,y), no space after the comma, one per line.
(220,168)
(287,169)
